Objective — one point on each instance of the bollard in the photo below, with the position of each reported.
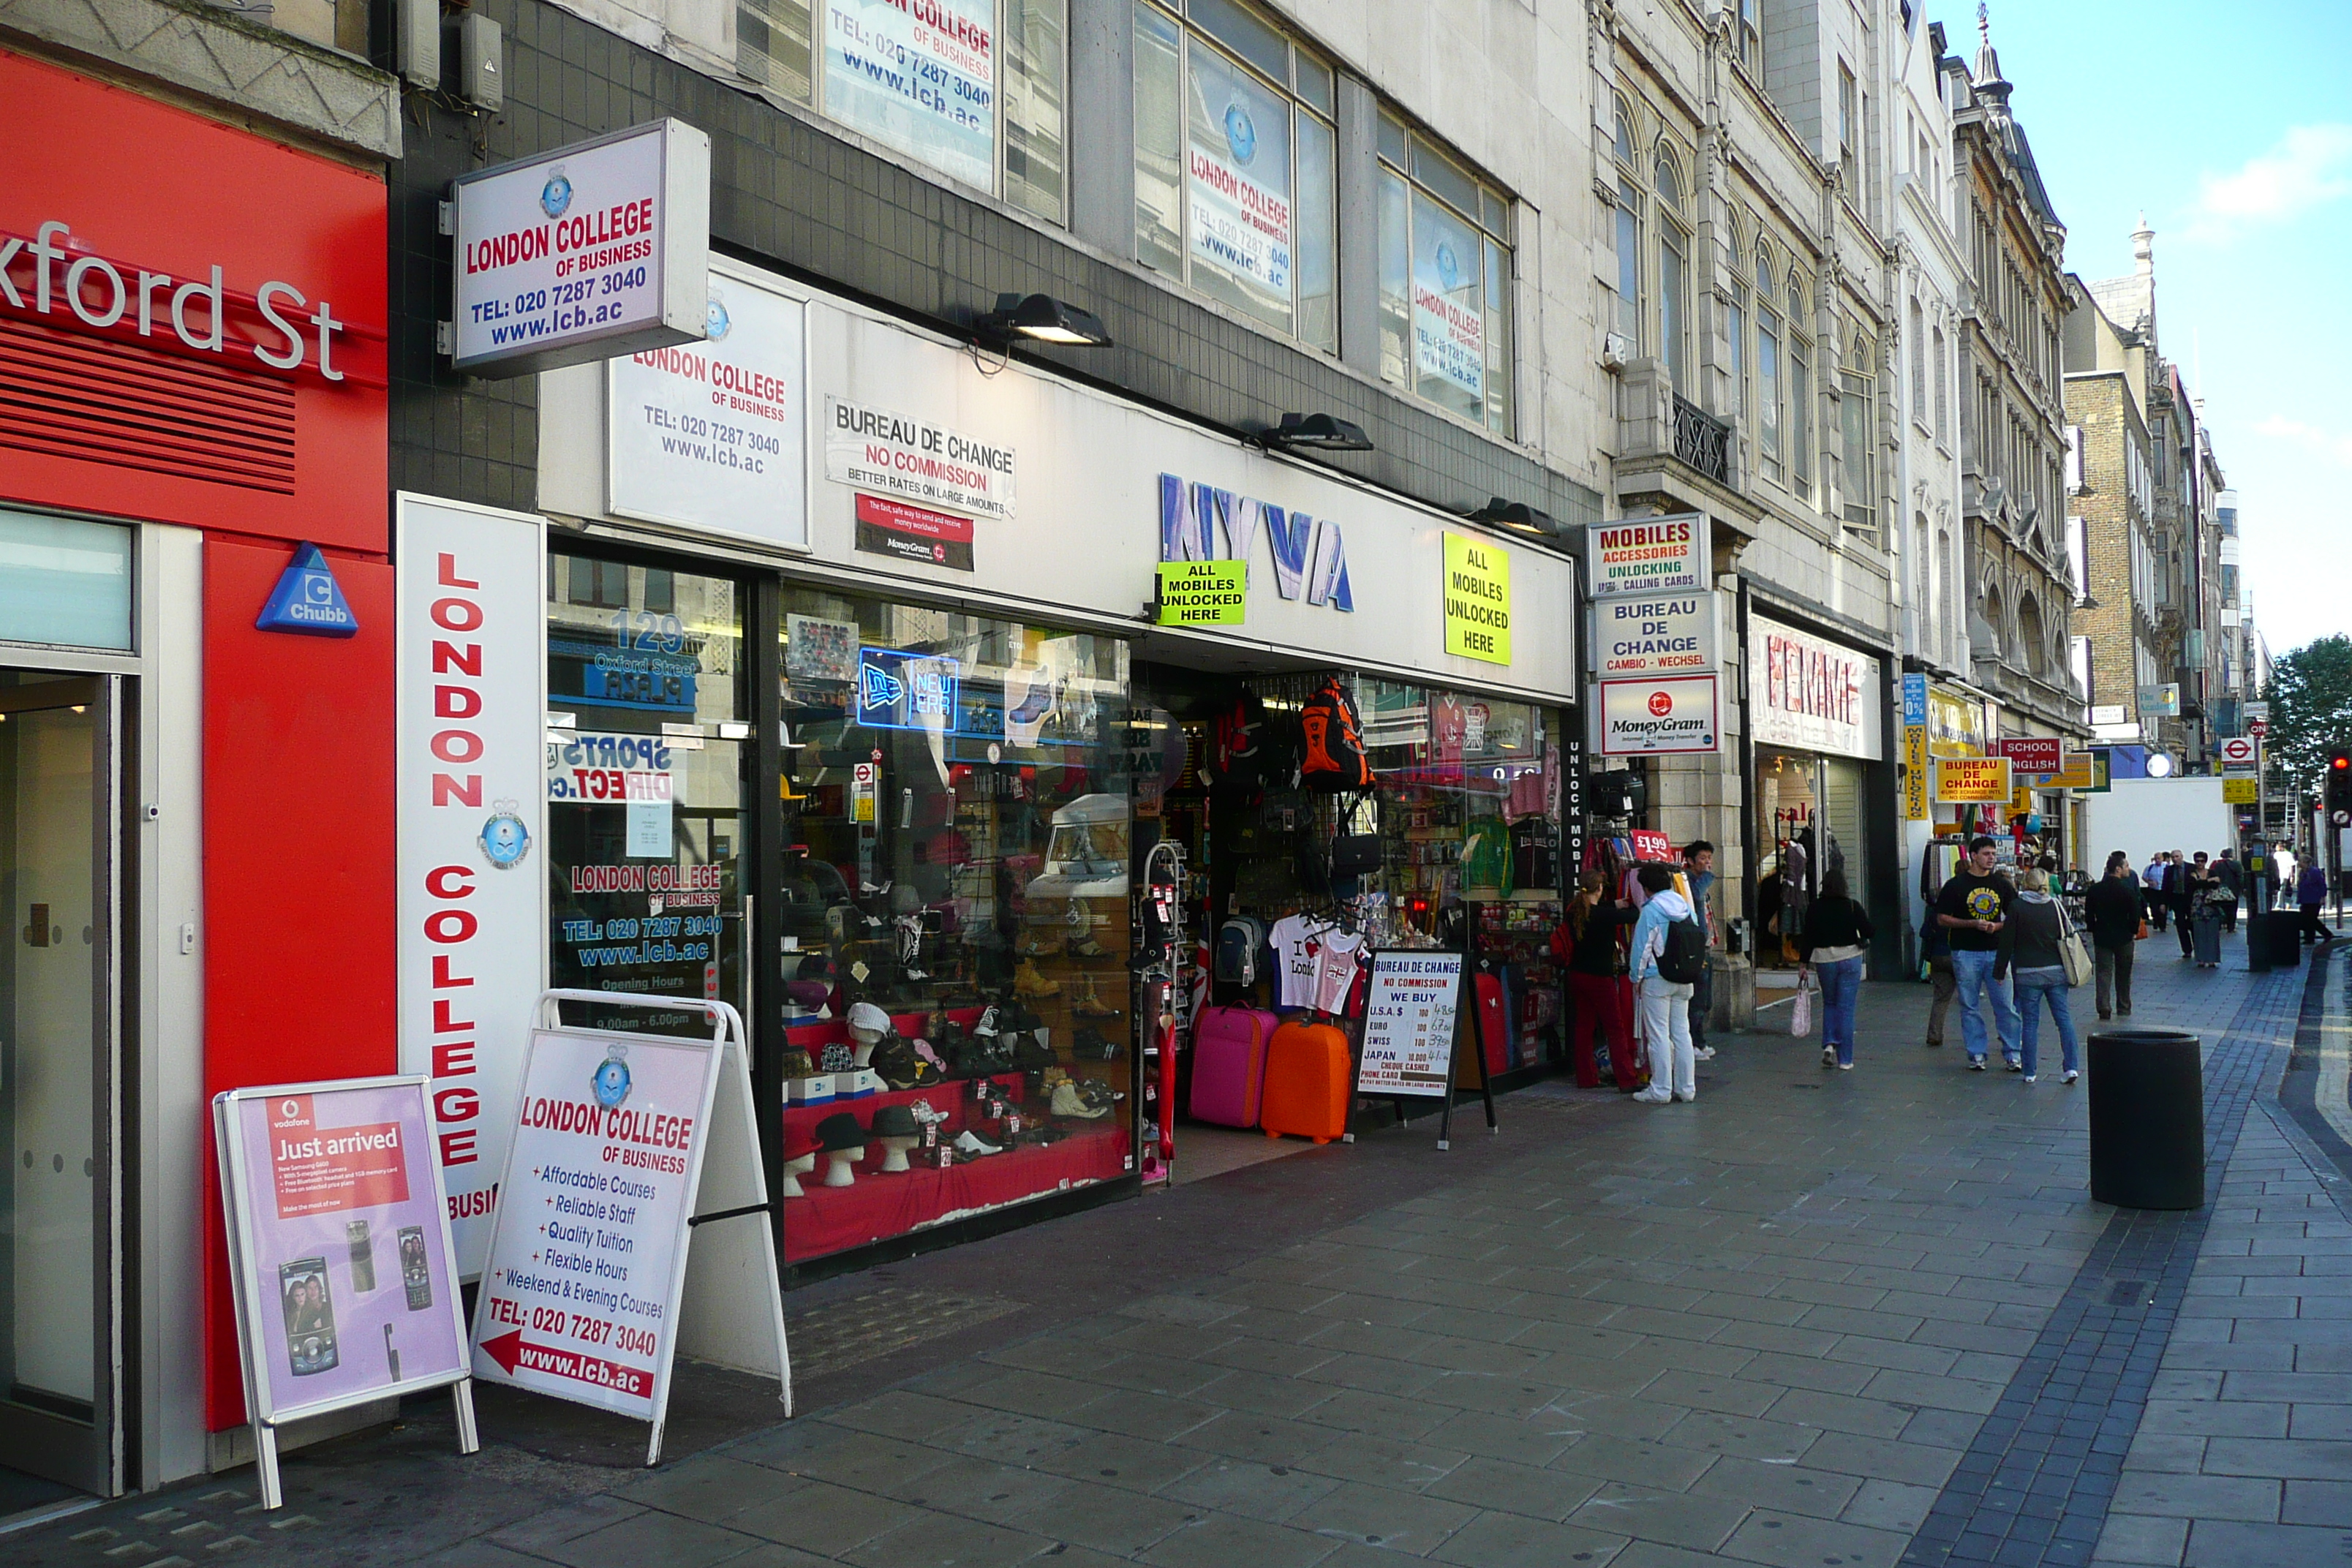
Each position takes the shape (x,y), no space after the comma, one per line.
(2147,1119)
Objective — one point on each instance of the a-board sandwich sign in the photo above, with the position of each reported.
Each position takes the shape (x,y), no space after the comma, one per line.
(1411,1013)
(582,1297)
(345,1281)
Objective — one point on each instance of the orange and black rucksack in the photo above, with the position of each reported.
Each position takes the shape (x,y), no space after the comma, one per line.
(1332,742)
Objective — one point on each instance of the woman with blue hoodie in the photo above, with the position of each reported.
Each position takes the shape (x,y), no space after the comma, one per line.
(1666,1007)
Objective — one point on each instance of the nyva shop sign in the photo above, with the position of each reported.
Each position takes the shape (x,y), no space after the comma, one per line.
(1202,522)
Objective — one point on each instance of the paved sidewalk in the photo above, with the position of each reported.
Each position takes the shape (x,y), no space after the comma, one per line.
(1815,1318)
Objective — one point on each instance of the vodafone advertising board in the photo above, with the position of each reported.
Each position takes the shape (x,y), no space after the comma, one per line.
(472,818)
(712,435)
(1658,718)
(596,249)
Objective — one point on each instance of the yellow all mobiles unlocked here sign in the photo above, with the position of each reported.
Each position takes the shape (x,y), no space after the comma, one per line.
(1477,599)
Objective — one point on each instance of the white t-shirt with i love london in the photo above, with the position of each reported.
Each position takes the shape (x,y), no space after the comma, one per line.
(1293,940)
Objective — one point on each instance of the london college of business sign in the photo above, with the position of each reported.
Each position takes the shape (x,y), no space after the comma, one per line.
(594,250)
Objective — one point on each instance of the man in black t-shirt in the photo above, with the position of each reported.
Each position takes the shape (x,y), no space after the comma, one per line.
(1973,909)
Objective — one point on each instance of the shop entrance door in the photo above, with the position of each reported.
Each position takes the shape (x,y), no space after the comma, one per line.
(56,1053)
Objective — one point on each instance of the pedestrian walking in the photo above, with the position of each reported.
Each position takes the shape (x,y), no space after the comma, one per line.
(2206,899)
(1698,870)
(1587,948)
(2310,896)
(2037,967)
(2113,909)
(2229,887)
(1666,1004)
(1935,947)
(2152,891)
(2181,883)
(1836,937)
(1974,906)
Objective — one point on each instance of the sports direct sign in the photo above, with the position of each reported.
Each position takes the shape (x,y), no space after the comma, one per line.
(600,249)
(1658,718)
(1649,557)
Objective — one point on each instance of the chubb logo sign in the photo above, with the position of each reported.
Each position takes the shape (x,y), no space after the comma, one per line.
(61,280)
(1202,522)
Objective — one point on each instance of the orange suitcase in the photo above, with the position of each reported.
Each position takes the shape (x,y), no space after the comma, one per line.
(1308,1072)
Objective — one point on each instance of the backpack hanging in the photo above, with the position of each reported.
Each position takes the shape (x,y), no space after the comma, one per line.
(1237,748)
(1331,736)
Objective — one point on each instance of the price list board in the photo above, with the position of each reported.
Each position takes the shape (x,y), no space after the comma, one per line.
(1410,1018)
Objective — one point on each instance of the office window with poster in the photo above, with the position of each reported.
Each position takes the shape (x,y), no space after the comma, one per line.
(646,743)
(952,916)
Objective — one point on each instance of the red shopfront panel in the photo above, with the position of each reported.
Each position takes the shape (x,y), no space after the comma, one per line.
(299,883)
(99,416)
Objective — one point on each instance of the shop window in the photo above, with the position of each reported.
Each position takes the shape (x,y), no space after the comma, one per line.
(1233,164)
(1444,309)
(974,90)
(645,818)
(64,581)
(956,852)
(1809,821)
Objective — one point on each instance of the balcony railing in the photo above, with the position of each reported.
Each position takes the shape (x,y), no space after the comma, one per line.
(1702,441)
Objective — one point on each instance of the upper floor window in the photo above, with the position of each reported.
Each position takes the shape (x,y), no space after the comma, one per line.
(1919,364)
(1445,278)
(1751,33)
(1800,394)
(1673,273)
(974,88)
(1234,161)
(1768,369)
(1942,371)
(1849,124)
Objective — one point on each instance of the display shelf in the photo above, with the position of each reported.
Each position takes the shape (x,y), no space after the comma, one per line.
(880,1206)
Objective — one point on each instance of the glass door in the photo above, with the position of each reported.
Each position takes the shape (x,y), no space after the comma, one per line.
(57,1051)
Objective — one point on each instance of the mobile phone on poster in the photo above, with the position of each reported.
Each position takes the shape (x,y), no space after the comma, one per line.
(309,1304)
(362,1247)
(415,1271)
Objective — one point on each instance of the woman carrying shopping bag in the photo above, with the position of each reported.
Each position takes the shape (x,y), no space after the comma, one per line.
(2047,949)
(1835,939)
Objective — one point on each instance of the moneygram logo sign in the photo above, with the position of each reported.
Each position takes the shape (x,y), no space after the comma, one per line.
(1668,716)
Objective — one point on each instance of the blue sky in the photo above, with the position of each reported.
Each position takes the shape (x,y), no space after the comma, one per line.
(2232,127)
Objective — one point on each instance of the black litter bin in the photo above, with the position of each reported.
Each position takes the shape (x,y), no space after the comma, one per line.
(2285,932)
(2258,944)
(2147,1119)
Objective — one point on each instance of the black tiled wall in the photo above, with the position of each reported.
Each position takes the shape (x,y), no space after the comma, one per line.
(788,195)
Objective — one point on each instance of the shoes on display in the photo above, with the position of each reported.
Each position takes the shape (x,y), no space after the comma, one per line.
(1095,1091)
(987,1025)
(1067,1103)
(1028,982)
(966,1143)
(1087,1003)
(1087,947)
(1091,1045)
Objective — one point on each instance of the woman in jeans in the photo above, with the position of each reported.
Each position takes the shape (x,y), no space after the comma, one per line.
(1598,999)
(2040,975)
(1836,935)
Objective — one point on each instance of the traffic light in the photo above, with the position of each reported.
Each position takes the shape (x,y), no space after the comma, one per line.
(2339,779)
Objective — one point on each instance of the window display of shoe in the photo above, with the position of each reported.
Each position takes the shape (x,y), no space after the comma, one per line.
(1087,1003)
(1028,982)
(966,1143)
(1067,1103)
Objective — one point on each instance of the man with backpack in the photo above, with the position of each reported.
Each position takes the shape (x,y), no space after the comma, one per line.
(1669,953)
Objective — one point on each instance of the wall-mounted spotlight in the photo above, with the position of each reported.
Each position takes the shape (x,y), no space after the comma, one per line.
(1041,318)
(1517,515)
(1316,433)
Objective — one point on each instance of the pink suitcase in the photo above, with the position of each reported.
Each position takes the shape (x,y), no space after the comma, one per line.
(1228,1064)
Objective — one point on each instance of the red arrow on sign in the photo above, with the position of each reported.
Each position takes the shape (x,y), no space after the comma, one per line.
(510,1350)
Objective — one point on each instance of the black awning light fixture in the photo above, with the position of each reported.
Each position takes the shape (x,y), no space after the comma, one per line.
(1316,433)
(1041,319)
(1518,515)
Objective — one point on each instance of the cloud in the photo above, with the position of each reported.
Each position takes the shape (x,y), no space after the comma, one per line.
(2338,448)
(2310,167)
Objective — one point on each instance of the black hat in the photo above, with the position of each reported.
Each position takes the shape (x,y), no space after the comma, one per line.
(897,1122)
(839,1130)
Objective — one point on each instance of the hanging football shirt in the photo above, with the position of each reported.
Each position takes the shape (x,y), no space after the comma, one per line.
(1338,954)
